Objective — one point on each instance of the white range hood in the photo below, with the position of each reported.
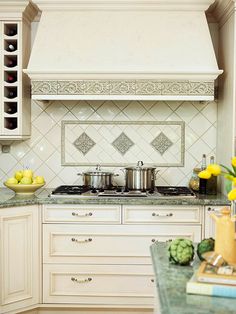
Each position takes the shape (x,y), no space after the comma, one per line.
(123,49)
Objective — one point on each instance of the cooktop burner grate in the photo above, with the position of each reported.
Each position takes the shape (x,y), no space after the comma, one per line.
(70,190)
(174,191)
(85,191)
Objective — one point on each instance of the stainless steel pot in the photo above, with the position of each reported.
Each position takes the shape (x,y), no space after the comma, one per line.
(140,177)
(98,179)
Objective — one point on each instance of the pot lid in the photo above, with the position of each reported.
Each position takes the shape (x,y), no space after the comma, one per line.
(98,173)
(139,167)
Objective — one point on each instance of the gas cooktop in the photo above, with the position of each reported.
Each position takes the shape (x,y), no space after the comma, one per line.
(77,191)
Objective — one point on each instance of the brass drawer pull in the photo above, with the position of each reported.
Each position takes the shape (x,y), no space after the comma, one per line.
(154,240)
(81,280)
(162,215)
(152,280)
(82,215)
(81,241)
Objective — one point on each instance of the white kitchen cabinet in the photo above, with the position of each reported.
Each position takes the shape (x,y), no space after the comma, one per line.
(209,222)
(87,214)
(134,214)
(117,285)
(19,257)
(15,102)
(97,255)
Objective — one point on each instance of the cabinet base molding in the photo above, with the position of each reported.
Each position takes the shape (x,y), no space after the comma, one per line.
(69,310)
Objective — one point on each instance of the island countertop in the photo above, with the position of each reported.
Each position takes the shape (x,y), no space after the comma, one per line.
(8,198)
(171,287)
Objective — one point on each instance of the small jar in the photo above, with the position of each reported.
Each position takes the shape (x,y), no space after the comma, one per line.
(194,180)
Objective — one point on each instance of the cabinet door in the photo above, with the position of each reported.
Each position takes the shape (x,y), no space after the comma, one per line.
(19,257)
(209,222)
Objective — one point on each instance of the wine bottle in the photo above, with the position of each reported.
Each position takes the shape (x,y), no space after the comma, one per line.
(11,47)
(203,165)
(11,78)
(10,29)
(11,94)
(211,186)
(10,63)
(10,108)
(203,182)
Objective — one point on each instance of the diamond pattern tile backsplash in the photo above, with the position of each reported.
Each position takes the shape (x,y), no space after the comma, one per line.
(43,152)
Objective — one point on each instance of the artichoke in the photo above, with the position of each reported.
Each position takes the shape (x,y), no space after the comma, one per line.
(204,246)
(181,251)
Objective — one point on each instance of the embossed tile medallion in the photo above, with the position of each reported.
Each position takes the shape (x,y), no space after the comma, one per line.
(84,143)
(122,143)
(161,143)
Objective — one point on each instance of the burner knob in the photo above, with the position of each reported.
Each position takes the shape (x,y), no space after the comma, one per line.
(126,190)
(94,190)
(143,191)
(118,190)
(151,192)
(101,190)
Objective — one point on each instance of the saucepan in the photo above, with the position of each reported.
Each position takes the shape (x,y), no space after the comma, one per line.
(98,179)
(140,177)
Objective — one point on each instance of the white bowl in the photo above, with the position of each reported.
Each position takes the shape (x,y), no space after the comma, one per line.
(24,189)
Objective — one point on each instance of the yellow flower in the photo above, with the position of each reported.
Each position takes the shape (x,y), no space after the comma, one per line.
(233,161)
(234,181)
(214,169)
(232,195)
(204,174)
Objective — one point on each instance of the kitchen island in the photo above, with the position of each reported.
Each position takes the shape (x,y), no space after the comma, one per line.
(171,287)
(8,199)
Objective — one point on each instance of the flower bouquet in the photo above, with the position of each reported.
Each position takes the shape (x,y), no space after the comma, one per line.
(229,174)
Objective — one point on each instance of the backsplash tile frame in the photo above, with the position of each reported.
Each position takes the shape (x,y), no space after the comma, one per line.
(65,163)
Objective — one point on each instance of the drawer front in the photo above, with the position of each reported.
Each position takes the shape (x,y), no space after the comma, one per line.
(70,244)
(87,214)
(98,284)
(159,214)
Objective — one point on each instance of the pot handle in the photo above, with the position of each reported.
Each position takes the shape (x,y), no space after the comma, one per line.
(79,174)
(155,174)
(140,163)
(98,167)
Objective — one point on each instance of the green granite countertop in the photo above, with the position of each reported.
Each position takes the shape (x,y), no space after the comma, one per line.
(171,285)
(8,198)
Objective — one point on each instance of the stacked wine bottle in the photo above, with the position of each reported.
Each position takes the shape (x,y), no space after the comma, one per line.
(10,76)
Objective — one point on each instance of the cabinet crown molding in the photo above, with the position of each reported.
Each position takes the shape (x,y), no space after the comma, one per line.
(223,9)
(17,9)
(183,5)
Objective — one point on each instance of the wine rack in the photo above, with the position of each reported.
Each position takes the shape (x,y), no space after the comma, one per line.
(15,102)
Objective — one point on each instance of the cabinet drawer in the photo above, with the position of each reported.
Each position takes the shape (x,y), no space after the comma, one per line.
(98,284)
(116,244)
(87,214)
(159,214)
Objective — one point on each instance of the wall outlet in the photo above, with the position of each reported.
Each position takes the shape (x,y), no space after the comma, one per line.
(6,149)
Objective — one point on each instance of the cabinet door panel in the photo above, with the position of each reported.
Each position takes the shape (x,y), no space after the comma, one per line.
(19,257)
(161,214)
(83,214)
(126,243)
(99,284)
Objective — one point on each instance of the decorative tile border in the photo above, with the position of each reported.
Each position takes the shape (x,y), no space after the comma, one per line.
(123,87)
(122,143)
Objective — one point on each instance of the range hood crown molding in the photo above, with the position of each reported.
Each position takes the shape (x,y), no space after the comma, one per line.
(109,50)
(183,5)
